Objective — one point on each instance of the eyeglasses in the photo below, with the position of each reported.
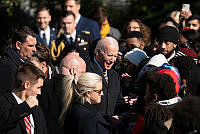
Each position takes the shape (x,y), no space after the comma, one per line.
(98,91)
(134,27)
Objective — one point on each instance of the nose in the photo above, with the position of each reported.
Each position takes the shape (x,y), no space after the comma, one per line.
(34,49)
(102,93)
(39,92)
(113,59)
(67,8)
(163,45)
(41,20)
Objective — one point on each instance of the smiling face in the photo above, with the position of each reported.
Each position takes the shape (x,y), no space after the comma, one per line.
(43,19)
(107,57)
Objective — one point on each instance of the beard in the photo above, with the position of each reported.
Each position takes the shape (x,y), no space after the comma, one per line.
(170,53)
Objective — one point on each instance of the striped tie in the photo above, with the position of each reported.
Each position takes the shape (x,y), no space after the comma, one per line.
(105,76)
(27,124)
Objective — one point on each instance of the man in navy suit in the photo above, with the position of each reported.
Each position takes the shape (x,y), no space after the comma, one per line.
(71,39)
(45,34)
(83,23)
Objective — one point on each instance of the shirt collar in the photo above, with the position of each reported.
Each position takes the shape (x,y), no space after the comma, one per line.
(99,66)
(78,18)
(173,54)
(19,101)
(73,35)
(44,31)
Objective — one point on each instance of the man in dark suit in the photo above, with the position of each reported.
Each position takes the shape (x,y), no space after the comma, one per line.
(106,53)
(22,47)
(51,99)
(45,33)
(83,23)
(72,38)
(19,110)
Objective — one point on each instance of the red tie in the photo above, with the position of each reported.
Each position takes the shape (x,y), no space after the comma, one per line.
(27,124)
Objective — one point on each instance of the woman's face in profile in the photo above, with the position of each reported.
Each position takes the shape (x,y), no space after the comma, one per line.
(95,95)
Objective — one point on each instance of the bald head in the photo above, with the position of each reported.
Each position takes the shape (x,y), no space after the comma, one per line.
(72,64)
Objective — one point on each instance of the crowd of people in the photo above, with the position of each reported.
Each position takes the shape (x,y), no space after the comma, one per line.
(87,77)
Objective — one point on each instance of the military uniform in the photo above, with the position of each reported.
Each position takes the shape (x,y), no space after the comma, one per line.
(82,44)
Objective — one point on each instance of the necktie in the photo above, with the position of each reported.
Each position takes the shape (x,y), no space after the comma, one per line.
(44,39)
(27,124)
(71,40)
(105,76)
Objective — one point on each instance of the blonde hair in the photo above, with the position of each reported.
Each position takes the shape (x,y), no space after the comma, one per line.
(86,82)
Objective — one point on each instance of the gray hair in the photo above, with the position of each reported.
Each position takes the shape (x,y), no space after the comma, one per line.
(102,44)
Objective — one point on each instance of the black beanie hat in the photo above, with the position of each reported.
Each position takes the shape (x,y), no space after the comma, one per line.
(168,33)
(134,34)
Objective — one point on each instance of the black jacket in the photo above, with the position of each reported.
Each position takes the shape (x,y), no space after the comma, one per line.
(112,91)
(9,63)
(51,103)
(84,119)
(12,116)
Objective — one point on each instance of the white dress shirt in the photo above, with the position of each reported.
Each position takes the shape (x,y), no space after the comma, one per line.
(19,101)
(47,33)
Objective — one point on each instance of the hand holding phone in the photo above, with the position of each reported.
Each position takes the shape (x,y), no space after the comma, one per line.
(186,7)
(185,12)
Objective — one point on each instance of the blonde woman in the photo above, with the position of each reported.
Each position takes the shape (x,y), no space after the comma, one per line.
(78,115)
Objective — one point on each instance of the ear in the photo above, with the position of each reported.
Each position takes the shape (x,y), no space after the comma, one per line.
(155,98)
(49,18)
(88,94)
(98,52)
(44,66)
(79,6)
(17,45)
(142,45)
(27,84)
(72,71)
(175,45)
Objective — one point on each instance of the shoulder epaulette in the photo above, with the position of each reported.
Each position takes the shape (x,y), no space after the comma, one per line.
(86,32)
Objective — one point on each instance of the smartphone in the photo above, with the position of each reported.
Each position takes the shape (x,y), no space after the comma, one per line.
(186,7)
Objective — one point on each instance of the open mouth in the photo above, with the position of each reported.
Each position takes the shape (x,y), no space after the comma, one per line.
(109,63)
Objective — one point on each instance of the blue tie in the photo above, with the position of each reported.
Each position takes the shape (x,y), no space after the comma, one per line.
(44,39)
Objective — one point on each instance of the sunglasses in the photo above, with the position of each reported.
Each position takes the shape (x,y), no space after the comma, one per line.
(98,91)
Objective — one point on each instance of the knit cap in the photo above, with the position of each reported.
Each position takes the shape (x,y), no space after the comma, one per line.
(135,56)
(168,33)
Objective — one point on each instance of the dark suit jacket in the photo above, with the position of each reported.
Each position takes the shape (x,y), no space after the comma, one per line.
(52,36)
(86,24)
(12,116)
(9,63)
(82,44)
(112,91)
(84,119)
(51,103)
